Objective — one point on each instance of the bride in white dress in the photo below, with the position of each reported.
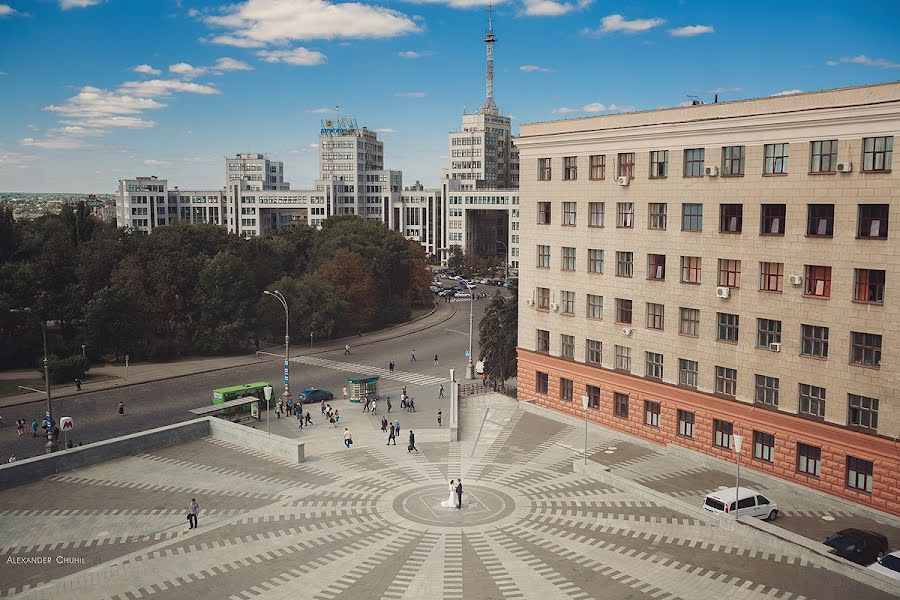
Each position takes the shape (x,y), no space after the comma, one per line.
(453,500)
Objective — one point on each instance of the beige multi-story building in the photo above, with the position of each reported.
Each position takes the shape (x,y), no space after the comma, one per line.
(717,270)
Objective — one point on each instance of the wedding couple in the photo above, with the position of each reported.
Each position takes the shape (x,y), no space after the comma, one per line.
(456,492)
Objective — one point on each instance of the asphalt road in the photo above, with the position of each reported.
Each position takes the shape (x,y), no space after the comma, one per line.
(162,403)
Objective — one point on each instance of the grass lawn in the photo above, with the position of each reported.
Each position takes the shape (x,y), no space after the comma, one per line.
(8,387)
(420,312)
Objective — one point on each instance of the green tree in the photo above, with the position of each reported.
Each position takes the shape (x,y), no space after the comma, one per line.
(111,322)
(225,297)
(498,336)
(350,277)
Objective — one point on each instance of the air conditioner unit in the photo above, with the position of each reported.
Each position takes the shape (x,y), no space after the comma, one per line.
(554,306)
(711,171)
(529,302)
(795,280)
(623,180)
(775,347)
(627,330)
(723,292)
(845,167)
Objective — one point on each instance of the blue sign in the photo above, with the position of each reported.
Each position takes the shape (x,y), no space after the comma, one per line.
(285,365)
(285,381)
(468,354)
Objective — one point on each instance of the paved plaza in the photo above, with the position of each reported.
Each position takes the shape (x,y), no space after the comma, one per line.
(368,522)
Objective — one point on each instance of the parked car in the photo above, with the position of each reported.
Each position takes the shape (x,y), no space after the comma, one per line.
(462,295)
(310,395)
(750,503)
(447,292)
(858,545)
(888,565)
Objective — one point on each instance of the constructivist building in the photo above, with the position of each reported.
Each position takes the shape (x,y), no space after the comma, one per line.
(729,269)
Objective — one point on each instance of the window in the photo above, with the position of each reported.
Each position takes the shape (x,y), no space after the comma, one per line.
(594,306)
(689,321)
(776,159)
(568,258)
(817,281)
(570,168)
(621,405)
(812,401)
(869,286)
(594,352)
(732,160)
(692,217)
(688,372)
(685,423)
(658,216)
(542,382)
(728,327)
(763,446)
(598,167)
(772,219)
(823,156)
(543,213)
(771,277)
(623,311)
(623,358)
(654,366)
(859,474)
(626,165)
(690,269)
(809,459)
(814,341)
(543,340)
(567,302)
(659,163)
(693,162)
(722,431)
(656,267)
(820,220)
(543,257)
(596,213)
(655,316)
(767,390)
(566,389)
(595,260)
(651,413)
(726,381)
(543,298)
(543,169)
(873,221)
(625,214)
(731,217)
(865,349)
(729,273)
(624,264)
(569,212)
(768,331)
(877,153)
(593,394)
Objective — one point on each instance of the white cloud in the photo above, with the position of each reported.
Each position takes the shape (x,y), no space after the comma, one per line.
(285,21)
(101,123)
(54,143)
(152,162)
(534,69)
(91,102)
(67,4)
(15,160)
(862,59)
(300,57)
(230,40)
(552,8)
(7,11)
(146,70)
(165,87)
(691,30)
(788,93)
(322,111)
(187,70)
(412,54)
(410,94)
(723,90)
(230,64)
(617,23)
(593,108)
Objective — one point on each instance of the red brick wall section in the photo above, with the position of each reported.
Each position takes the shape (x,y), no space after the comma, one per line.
(836,442)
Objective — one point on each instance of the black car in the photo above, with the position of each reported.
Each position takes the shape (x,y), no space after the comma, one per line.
(858,545)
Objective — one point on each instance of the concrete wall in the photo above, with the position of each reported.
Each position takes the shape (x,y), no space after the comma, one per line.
(276,445)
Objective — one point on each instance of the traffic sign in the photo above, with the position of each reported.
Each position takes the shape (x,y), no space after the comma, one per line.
(468,354)
(66,423)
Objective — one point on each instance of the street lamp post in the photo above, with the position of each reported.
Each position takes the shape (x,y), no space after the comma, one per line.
(738,443)
(310,339)
(84,349)
(46,361)
(267,392)
(470,366)
(584,405)
(506,261)
(287,351)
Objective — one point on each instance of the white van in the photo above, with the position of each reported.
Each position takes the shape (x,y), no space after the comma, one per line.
(750,504)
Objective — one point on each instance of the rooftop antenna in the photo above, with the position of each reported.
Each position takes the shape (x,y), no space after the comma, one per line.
(490,108)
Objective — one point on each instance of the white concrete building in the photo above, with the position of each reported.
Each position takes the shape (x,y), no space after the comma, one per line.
(419,216)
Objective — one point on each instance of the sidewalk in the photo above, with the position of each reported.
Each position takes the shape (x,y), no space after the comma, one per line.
(146,372)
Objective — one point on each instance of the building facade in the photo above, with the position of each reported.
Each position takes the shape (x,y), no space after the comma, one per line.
(718,270)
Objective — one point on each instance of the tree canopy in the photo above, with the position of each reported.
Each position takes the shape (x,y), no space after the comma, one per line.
(498,336)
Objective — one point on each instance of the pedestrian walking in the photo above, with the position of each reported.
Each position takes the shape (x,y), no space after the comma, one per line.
(436,361)
(34,428)
(389,403)
(278,408)
(337,416)
(374,406)
(193,509)
(412,443)
(323,406)
(441,391)
(77,384)
(392,436)
(397,426)
(299,415)
(20,427)
(384,424)
(346,349)
(412,356)
(439,417)
(367,404)
(391,367)
(122,408)
(308,418)
(402,401)
(412,405)
(344,393)
(348,438)
(331,421)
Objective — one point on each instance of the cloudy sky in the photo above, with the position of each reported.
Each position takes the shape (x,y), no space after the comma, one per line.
(95,90)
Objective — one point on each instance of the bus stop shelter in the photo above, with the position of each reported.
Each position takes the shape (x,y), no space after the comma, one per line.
(221,409)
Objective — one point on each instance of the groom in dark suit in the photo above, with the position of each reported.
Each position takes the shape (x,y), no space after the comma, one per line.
(459,491)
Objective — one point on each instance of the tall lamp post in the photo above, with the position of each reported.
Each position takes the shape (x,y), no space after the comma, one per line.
(470,366)
(506,261)
(267,392)
(738,443)
(28,311)
(287,356)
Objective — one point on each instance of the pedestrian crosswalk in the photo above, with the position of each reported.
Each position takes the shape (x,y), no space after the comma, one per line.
(382,372)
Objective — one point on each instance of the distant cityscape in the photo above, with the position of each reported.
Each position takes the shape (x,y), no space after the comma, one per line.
(31,205)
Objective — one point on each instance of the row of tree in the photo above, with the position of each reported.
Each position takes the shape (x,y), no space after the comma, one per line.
(498,336)
(196,289)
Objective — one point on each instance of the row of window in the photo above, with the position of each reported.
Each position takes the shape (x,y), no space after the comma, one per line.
(859,472)
(871,222)
(823,159)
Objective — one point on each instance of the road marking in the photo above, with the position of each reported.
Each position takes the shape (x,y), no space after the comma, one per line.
(401,376)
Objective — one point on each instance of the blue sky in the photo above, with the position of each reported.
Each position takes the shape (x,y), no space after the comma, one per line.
(95,90)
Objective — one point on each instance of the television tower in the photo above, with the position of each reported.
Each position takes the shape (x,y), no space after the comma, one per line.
(490,108)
